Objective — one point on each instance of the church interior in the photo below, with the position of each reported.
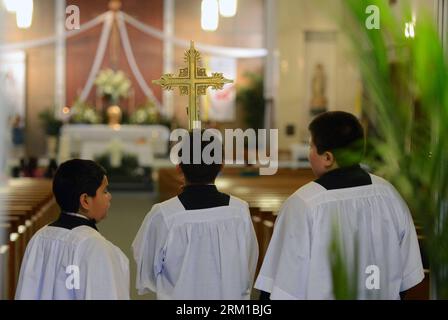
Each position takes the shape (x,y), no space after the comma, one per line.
(79,78)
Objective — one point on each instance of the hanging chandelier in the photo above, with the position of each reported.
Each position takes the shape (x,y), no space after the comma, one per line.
(227,8)
(23,10)
(212,9)
(209,15)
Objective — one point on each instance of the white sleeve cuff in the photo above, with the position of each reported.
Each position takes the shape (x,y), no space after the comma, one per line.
(263,283)
(279,294)
(267,285)
(412,279)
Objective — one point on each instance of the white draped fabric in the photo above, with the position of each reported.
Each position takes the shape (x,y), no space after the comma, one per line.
(99,56)
(133,64)
(107,19)
(231,52)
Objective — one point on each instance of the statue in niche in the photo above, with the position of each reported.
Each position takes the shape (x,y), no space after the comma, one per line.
(318,87)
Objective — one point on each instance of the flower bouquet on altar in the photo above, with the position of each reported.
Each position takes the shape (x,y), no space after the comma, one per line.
(113,85)
(145,114)
(83,113)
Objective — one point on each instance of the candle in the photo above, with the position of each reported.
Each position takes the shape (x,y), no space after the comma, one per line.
(115,153)
(64,148)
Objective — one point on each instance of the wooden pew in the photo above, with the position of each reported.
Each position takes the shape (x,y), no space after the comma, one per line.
(18,219)
(5,230)
(28,204)
(12,241)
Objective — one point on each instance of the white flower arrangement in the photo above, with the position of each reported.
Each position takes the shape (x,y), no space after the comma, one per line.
(146,114)
(84,113)
(113,83)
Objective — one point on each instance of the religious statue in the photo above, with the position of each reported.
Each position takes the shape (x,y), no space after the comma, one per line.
(318,87)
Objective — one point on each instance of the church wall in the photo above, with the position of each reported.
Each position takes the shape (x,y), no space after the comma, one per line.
(299,22)
(294,20)
(39,70)
(147,50)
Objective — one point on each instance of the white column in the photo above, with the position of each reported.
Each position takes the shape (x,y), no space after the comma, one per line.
(4,114)
(3,156)
(60,61)
(168,52)
(271,62)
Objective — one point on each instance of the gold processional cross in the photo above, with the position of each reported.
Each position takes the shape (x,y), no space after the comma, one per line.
(192,81)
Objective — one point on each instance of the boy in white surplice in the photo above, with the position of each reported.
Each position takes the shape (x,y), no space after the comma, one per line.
(375,225)
(198,245)
(69,259)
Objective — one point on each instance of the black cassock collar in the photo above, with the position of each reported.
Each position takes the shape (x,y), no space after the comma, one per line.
(347,177)
(69,221)
(204,196)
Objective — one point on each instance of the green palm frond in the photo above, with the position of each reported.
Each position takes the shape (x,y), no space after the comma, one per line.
(344,284)
(407,83)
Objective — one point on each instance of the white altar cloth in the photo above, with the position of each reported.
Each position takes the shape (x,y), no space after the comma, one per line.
(145,141)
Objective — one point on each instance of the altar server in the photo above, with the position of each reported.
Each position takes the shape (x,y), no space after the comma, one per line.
(200,244)
(69,259)
(346,208)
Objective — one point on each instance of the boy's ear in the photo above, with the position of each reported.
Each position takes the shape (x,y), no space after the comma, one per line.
(329,158)
(84,201)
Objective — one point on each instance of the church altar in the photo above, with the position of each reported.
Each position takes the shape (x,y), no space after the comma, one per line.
(88,141)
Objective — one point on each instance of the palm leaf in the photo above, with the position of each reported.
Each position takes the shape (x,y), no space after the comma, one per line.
(411,119)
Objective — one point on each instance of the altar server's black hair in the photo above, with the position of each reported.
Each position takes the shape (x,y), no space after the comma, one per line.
(74,178)
(340,133)
(202,173)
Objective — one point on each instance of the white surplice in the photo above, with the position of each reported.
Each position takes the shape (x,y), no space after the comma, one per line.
(77,264)
(196,254)
(374,225)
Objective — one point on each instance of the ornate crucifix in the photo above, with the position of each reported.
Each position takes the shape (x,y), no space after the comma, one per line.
(193,81)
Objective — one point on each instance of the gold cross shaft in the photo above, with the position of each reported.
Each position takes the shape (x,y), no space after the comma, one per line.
(193,81)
